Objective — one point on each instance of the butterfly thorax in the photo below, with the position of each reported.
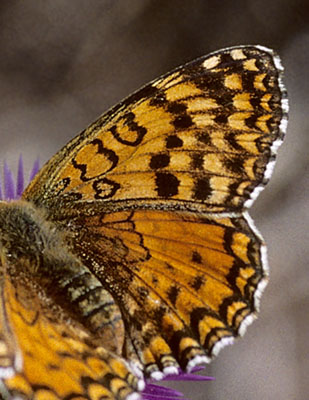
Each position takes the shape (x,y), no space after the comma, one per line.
(33,251)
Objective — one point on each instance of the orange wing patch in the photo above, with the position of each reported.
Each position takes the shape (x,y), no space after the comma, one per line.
(56,361)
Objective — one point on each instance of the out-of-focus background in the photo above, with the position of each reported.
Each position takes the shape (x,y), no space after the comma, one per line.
(63,63)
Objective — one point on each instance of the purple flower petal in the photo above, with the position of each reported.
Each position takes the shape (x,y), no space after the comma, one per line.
(9,190)
(157,395)
(20,177)
(156,392)
(188,377)
(155,389)
(35,169)
(160,397)
(9,184)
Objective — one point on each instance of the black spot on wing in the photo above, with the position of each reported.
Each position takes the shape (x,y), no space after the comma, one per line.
(197,160)
(204,138)
(166,184)
(196,257)
(172,294)
(173,141)
(197,282)
(221,118)
(159,161)
(235,164)
(202,189)
(183,121)
(176,108)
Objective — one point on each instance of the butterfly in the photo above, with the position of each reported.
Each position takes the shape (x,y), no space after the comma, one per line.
(131,254)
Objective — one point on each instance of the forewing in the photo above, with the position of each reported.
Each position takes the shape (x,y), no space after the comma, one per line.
(202,137)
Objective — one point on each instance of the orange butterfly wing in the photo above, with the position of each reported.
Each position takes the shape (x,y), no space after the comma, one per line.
(48,359)
(186,284)
(202,137)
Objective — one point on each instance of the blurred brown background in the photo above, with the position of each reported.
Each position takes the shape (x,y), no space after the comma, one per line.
(63,63)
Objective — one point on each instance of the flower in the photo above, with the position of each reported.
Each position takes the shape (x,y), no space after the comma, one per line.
(156,392)
(13,190)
